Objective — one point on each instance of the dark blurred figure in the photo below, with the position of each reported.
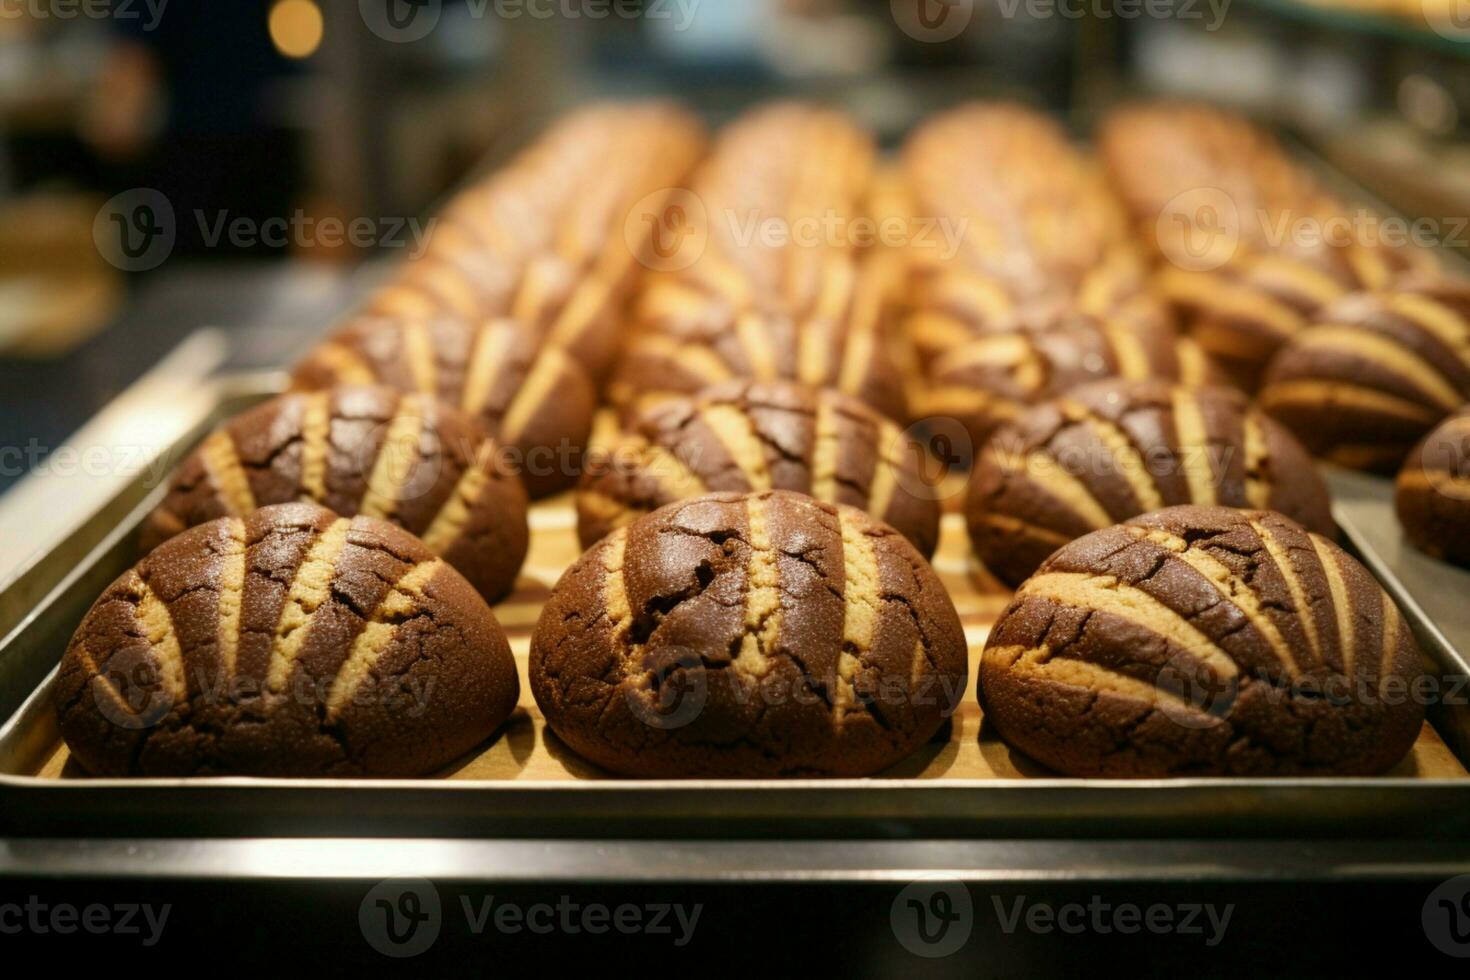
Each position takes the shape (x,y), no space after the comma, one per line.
(191,103)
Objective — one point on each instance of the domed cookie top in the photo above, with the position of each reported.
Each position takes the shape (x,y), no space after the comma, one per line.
(291,642)
(1199,641)
(759,435)
(1373,373)
(533,397)
(407,459)
(993,379)
(1433,492)
(1112,450)
(748,636)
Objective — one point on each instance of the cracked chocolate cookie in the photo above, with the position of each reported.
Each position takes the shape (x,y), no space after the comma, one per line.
(533,397)
(1433,492)
(407,459)
(759,435)
(765,634)
(290,642)
(1200,641)
(1113,450)
(1374,373)
(992,380)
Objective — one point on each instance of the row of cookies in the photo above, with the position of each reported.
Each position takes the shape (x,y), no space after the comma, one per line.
(810,637)
(468,380)
(314,600)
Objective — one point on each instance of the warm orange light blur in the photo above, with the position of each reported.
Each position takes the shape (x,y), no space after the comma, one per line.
(296,28)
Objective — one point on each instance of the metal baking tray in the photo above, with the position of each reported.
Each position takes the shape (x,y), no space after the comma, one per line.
(933,796)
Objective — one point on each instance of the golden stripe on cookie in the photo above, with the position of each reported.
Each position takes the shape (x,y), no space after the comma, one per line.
(762,595)
(862,607)
(310,589)
(316,432)
(227,473)
(396,460)
(1104,593)
(1194,442)
(231,597)
(403,600)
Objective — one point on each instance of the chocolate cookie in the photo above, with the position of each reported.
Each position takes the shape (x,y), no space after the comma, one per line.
(1201,641)
(759,435)
(846,354)
(992,380)
(1113,450)
(1374,373)
(748,636)
(407,459)
(555,238)
(1009,223)
(948,306)
(1433,493)
(1246,311)
(291,642)
(533,397)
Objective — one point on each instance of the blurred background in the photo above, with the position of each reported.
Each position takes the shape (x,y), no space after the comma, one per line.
(253,164)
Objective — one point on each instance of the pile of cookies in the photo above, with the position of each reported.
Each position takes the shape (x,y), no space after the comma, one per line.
(740,353)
